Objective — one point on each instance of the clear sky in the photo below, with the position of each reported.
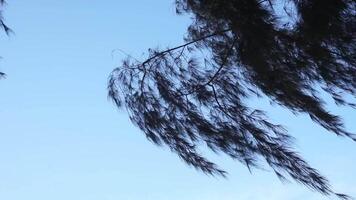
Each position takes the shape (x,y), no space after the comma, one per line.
(61,139)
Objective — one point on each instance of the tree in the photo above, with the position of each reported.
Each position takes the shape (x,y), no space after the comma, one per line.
(196,93)
(2,23)
(3,26)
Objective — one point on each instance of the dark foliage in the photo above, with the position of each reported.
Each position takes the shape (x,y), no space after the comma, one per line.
(196,93)
(4,27)
(2,23)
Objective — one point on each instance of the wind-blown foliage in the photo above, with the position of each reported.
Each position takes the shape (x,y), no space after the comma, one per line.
(4,27)
(197,93)
(2,23)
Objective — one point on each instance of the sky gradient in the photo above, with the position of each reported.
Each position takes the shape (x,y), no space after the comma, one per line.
(62,139)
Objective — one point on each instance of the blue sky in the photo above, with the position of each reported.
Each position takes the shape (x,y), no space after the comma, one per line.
(60,137)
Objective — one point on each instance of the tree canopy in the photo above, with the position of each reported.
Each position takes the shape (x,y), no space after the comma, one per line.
(197,93)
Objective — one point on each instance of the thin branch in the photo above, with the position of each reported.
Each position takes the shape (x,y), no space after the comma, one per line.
(218,103)
(217,72)
(183,45)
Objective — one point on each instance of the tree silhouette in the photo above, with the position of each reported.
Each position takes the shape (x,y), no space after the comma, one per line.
(4,27)
(2,23)
(196,93)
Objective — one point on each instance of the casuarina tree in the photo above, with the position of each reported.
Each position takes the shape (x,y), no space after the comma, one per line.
(3,26)
(196,94)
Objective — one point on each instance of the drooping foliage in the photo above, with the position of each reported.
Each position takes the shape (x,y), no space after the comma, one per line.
(2,23)
(196,94)
(4,27)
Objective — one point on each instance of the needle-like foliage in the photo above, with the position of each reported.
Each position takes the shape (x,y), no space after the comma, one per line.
(4,27)
(197,93)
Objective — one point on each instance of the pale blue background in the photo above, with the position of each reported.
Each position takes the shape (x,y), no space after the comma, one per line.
(61,139)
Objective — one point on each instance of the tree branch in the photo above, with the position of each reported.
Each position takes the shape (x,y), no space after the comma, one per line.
(183,45)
